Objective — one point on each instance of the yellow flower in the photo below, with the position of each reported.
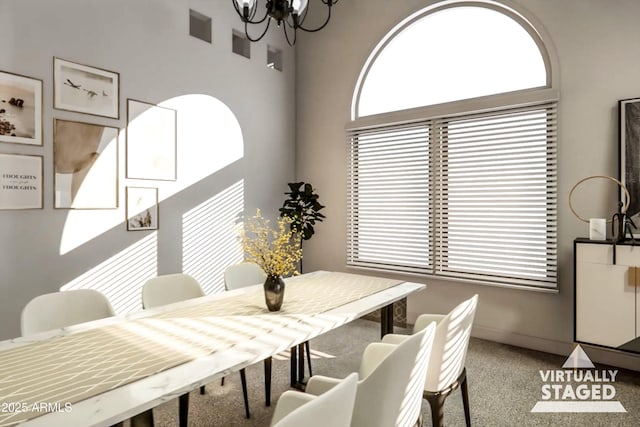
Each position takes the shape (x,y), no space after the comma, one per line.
(276,251)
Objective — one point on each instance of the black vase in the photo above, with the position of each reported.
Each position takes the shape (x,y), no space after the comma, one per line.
(273,292)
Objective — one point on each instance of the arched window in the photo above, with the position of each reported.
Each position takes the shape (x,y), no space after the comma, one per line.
(452,145)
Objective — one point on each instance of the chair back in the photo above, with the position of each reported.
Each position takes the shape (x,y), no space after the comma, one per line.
(332,408)
(450,345)
(390,394)
(243,274)
(60,309)
(169,288)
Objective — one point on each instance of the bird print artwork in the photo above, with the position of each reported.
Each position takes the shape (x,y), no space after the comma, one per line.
(90,93)
(73,85)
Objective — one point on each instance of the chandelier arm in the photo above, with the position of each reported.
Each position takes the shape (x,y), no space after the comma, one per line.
(313,30)
(251,21)
(286,35)
(246,31)
(266,15)
(250,18)
(290,23)
(287,21)
(235,6)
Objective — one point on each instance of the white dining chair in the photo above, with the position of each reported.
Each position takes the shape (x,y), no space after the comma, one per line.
(66,308)
(391,379)
(333,408)
(242,275)
(446,371)
(171,288)
(59,309)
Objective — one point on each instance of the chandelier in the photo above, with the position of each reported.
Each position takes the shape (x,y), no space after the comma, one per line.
(288,14)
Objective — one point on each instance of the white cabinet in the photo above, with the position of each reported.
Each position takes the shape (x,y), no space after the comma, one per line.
(607,295)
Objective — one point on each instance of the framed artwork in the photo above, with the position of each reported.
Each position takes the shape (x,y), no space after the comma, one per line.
(85,89)
(20,181)
(142,208)
(85,158)
(151,141)
(20,109)
(629,131)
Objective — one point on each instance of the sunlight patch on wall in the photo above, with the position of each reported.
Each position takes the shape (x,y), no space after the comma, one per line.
(209,240)
(209,138)
(120,278)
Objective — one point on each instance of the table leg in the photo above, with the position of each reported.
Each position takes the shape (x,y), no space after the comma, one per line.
(294,366)
(308,349)
(245,396)
(183,409)
(267,381)
(297,367)
(301,360)
(386,320)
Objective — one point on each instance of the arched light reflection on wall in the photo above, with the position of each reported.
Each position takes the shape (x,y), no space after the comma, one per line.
(209,240)
(208,139)
(120,278)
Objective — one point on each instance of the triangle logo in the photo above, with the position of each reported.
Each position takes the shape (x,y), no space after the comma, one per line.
(578,359)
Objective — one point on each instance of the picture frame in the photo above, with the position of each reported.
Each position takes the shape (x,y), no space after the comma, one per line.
(629,158)
(85,159)
(20,109)
(142,208)
(21,181)
(85,89)
(151,141)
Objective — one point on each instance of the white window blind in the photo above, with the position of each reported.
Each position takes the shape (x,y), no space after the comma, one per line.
(468,197)
(389,198)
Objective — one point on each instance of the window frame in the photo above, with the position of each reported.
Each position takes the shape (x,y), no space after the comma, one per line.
(530,97)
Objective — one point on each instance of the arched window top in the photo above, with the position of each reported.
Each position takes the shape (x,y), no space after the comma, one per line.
(452,52)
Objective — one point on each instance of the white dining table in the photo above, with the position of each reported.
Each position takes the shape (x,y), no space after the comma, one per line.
(240,340)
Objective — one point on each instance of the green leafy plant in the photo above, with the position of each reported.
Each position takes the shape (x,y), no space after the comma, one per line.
(303,208)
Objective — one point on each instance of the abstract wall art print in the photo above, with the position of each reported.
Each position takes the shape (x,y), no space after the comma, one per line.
(629,131)
(151,141)
(20,109)
(142,208)
(85,158)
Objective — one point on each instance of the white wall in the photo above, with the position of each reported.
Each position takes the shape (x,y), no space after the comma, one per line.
(235,144)
(597,47)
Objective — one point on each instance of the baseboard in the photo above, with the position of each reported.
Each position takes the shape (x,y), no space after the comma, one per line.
(596,354)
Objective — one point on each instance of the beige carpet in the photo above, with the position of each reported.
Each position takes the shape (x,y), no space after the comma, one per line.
(504,385)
